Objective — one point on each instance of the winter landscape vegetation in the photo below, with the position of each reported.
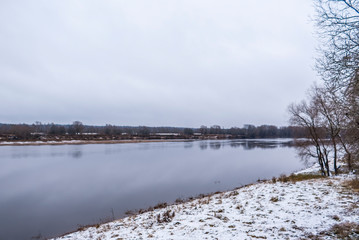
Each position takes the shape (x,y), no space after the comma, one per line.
(159,73)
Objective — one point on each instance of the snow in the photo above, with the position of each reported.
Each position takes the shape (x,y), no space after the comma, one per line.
(40,142)
(266,210)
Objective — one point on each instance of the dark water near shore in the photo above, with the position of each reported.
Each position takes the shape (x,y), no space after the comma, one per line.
(49,190)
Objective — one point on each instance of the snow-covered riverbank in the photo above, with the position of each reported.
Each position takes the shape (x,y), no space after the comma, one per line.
(267,210)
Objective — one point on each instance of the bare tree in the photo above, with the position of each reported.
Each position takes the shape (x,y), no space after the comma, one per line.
(144,131)
(329,118)
(203,130)
(215,129)
(108,130)
(21,131)
(338,64)
(308,116)
(56,129)
(338,27)
(188,131)
(78,127)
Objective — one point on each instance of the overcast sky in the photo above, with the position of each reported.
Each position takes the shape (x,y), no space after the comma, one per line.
(156,63)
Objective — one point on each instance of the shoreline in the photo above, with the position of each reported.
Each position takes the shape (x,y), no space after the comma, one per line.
(264,210)
(284,207)
(83,142)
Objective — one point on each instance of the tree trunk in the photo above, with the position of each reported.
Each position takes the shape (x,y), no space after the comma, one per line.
(335,156)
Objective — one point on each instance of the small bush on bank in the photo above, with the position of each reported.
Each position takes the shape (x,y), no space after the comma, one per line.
(274,180)
(166,217)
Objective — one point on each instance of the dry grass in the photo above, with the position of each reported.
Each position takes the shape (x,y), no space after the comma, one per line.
(347,230)
(179,200)
(352,184)
(160,205)
(298,177)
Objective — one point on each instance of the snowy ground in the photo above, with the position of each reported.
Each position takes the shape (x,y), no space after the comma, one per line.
(267,210)
(41,142)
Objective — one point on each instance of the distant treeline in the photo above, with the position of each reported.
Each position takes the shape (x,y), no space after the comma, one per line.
(77,130)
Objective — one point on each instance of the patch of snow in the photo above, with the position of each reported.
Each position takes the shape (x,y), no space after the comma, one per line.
(41,142)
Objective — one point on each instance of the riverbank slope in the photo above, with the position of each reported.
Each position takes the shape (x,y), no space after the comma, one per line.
(284,208)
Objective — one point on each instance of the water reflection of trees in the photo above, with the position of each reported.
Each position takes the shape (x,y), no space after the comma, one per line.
(246,145)
(76,152)
(215,145)
(203,145)
(188,145)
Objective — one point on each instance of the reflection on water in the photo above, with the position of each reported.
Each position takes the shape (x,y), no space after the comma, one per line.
(247,144)
(188,145)
(49,190)
(203,145)
(215,145)
(76,152)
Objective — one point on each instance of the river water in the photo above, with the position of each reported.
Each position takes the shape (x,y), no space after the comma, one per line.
(48,190)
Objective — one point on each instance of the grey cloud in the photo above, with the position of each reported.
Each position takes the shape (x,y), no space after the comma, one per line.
(179,63)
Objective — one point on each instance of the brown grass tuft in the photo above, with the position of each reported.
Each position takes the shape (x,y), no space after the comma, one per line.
(160,205)
(347,230)
(353,184)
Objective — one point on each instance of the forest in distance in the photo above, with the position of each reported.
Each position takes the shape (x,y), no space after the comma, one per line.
(77,130)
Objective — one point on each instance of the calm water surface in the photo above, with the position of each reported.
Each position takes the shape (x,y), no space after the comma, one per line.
(49,190)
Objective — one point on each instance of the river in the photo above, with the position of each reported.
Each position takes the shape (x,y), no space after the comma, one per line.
(48,190)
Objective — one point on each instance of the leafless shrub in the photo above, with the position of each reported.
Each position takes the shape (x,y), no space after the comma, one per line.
(179,200)
(274,180)
(165,217)
(283,178)
(160,205)
(129,213)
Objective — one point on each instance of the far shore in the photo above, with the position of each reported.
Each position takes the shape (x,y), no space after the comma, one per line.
(103,141)
(81,142)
